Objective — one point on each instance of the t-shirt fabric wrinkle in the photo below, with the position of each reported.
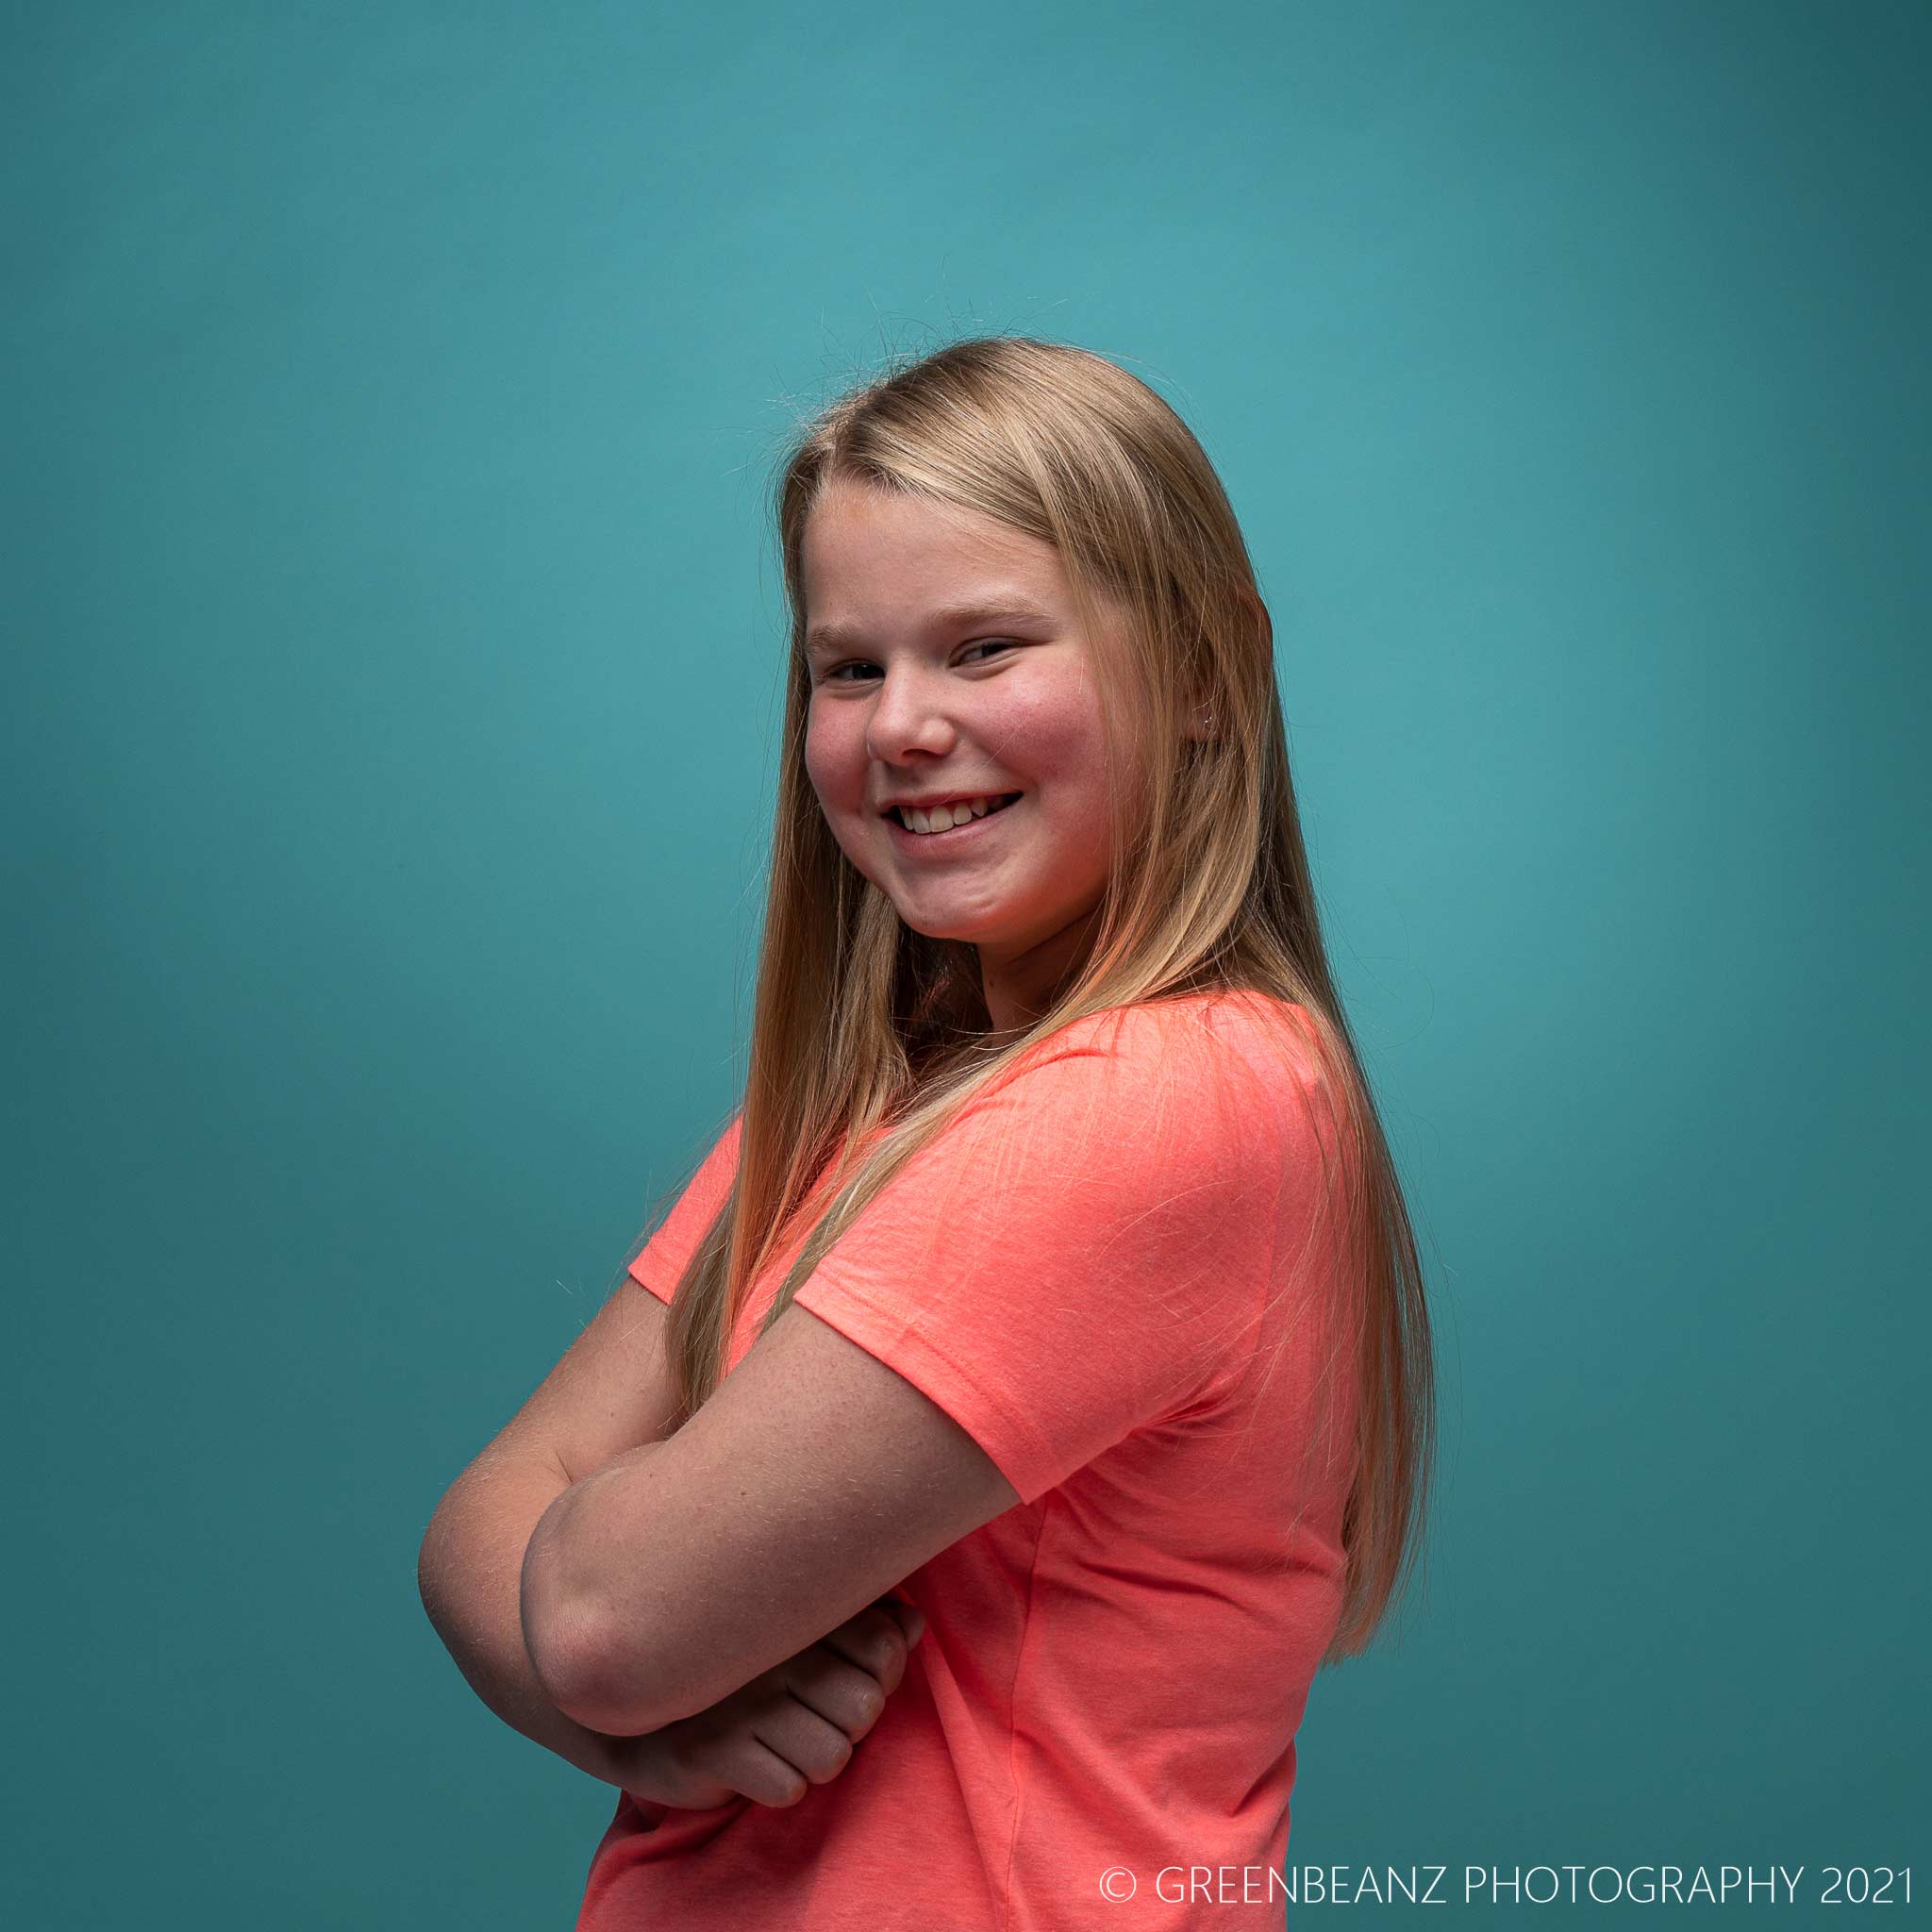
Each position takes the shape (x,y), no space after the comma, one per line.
(1084,1269)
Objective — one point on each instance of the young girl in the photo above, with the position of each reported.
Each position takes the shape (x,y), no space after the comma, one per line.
(1032,1387)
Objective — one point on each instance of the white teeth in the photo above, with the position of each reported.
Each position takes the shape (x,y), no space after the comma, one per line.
(942,818)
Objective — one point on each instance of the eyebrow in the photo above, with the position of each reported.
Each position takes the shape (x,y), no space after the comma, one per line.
(999,608)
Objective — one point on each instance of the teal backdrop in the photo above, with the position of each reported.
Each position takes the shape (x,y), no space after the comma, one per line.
(393,641)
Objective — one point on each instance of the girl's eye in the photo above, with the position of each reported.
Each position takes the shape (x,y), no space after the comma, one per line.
(832,675)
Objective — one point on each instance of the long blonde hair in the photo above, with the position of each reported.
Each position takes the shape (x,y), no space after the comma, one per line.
(865,1031)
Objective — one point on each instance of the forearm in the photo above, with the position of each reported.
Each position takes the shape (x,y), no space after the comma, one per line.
(468,1573)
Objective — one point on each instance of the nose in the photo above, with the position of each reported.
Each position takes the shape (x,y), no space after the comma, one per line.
(909,714)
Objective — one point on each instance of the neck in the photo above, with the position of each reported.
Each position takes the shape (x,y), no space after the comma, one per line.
(1019,988)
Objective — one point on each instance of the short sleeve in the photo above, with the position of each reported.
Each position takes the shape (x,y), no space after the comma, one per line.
(660,1264)
(1083,1252)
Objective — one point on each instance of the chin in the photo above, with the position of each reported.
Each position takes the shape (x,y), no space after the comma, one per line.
(936,926)
(938,930)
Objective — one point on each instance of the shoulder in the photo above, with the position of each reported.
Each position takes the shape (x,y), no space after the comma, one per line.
(1221,1080)
(1210,1040)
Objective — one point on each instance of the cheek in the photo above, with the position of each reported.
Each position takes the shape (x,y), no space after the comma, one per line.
(829,763)
(1060,747)
(1051,728)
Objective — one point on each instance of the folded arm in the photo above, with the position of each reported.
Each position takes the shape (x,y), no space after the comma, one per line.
(813,1481)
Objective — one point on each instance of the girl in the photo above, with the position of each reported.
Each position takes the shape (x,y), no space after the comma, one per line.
(1053,1274)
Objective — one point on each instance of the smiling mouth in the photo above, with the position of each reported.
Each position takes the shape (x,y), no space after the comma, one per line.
(895,816)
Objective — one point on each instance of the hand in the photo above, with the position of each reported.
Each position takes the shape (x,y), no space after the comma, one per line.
(791,1727)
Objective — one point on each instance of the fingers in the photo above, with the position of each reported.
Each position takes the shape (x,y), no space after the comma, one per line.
(910,1617)
(795,1725)
(755,1770)
(840,1692)
(803,1741)
(760,1742)
(874,1641)
(706,1760)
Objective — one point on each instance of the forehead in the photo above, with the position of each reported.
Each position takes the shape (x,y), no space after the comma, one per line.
(875,560)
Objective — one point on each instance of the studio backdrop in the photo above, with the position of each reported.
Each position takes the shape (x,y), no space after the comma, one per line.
(396,643)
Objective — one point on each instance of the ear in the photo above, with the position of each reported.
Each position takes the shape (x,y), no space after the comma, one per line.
(1197,704)
(1198,722)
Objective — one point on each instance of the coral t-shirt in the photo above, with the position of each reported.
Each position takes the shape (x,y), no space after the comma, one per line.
(1098,1727)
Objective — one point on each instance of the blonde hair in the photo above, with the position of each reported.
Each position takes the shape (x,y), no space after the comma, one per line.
(865,1031)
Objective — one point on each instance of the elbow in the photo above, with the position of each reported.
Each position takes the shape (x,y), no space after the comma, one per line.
(596,1683)
(561,1642)
(608,1679)
(613,1713)
(596,1659)
(590,1677)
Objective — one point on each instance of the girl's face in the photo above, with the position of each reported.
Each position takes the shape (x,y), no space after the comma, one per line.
(945,663)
